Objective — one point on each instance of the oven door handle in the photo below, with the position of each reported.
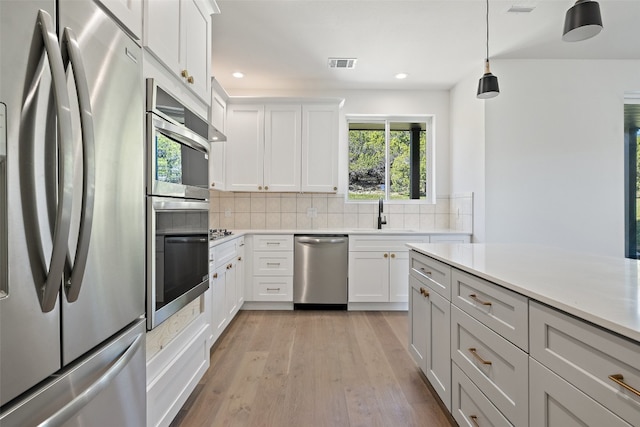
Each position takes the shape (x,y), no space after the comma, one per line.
(185,239)
(181,134)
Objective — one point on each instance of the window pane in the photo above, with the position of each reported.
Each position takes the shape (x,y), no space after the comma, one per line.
(366,161)
(400,160)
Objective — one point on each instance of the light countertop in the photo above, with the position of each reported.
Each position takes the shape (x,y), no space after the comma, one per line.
(602,290)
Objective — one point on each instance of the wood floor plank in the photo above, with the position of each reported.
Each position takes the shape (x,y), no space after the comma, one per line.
(316,369)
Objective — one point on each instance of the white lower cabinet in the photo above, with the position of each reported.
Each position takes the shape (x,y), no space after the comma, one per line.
(272,268)
(556,403)
(515,361)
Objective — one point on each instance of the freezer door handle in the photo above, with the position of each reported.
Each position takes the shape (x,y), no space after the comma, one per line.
(49,292)
(71,55)
(73,407)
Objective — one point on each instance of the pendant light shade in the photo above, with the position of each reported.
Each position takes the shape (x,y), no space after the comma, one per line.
(488,84)
(582,21)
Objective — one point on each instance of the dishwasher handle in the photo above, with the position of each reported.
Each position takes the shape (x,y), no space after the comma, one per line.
(313,240)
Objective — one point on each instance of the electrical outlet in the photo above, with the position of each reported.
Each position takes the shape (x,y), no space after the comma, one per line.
(312,212)
(227,213)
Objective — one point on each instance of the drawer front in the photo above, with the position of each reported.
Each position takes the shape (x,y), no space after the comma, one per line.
(435,274)
(273,263)
(225,253)
(586,356)
(273,289)
(383,243)
(497,367)
(502,310)
(556,403)
(273,242)
(469,406)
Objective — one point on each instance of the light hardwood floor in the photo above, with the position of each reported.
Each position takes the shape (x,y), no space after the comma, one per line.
(313,368)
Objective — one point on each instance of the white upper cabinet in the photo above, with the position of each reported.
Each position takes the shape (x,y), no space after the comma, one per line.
(245,147)
(320,148)
(282,130)
(294,148)
(178,33)
(128,12)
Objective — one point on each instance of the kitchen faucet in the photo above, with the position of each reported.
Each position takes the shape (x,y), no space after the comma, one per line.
(381,221)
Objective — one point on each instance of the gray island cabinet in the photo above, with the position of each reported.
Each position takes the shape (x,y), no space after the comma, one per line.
(515,335)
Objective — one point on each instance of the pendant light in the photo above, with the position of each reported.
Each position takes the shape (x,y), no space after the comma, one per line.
(488,84)
(582,21)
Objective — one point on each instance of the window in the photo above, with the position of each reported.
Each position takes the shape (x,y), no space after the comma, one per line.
(632,180)
(390,158)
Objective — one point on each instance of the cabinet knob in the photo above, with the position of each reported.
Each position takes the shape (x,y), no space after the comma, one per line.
(215,275)
(184,73)
(386,255)
(266,187)
(190,80)
(474,420)
(213,184)
(259,187)
(335,188)
(424,292)
(393,255)
(239,258)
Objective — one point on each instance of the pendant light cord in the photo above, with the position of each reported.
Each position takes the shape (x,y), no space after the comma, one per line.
(487,58)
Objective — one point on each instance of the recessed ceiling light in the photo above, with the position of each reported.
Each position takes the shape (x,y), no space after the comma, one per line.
(238,75)
(401,76)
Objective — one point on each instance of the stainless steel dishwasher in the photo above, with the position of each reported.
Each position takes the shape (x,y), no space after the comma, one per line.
(320,272)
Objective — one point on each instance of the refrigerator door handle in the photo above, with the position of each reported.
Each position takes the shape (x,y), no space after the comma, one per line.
(73,407)
(49,291)
(71,55)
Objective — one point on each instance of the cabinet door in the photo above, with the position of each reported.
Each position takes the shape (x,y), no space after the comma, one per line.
(218,111)
(129,12)
(245,147)
(197,47)
(398,276)
(162,32)
(216,165)
(218,298)
(418,318)
(320,148)
(282,147)
(553,402)
(438,345)
(368,277)
(230,285)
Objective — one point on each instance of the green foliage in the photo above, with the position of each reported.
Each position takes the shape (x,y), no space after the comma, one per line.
(168,160)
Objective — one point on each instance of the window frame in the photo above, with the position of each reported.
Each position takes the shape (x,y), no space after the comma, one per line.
(430,123)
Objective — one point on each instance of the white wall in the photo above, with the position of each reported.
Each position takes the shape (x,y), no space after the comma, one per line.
(384,102)
(554,153)
(468,149)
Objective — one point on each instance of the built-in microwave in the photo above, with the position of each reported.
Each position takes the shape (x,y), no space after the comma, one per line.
(177,147)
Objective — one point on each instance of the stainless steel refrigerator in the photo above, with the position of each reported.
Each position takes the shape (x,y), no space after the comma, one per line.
(72,286)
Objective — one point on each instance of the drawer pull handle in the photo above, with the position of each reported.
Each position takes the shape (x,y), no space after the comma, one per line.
(428,273)
(273,289)
(424,292)
(475,354)
(273,243)
(478,300)
(619,379)
(474,420)
(273,263)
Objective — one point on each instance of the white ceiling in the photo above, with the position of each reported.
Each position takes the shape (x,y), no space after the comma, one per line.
(285,44)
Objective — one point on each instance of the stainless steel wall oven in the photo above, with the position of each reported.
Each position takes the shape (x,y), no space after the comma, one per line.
(177,205)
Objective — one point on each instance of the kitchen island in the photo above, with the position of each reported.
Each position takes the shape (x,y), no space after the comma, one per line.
(527,335)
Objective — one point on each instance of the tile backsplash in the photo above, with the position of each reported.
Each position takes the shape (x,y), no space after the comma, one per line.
(307,211)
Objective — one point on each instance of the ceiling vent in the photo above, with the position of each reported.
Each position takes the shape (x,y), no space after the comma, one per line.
(346,63)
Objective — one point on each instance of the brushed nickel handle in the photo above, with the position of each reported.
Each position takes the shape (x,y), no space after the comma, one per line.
(273,263)
(273,243)
(273,289)
(184,73)
(190,80)
(428,273)
(474,420)
(424,292)
(475,354)
(386,255)
(619,379)
(478,300)
(215,275)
